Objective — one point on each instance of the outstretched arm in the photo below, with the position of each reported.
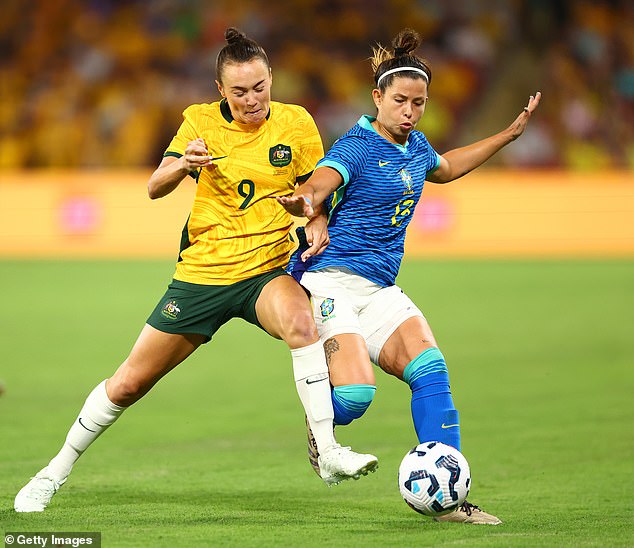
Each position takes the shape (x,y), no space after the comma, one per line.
(460,161)
(307,201)
(308,197)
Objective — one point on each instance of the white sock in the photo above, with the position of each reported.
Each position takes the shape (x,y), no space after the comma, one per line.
(97,414)
(313,386)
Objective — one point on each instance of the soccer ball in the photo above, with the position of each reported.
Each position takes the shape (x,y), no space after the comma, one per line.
(434,478)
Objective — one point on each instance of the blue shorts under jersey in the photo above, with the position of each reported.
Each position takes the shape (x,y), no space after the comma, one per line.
(370,211)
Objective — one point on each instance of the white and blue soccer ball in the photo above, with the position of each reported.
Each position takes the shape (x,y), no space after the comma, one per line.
(434,478)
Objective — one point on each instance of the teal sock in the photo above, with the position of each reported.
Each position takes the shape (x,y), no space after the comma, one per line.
(351,401)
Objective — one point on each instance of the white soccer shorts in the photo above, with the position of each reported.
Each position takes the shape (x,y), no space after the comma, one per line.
(344,302)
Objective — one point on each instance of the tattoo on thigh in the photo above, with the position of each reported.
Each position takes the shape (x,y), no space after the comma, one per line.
(330,347)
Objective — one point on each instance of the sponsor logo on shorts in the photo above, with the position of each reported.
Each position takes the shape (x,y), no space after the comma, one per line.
(327,309)
(170,310)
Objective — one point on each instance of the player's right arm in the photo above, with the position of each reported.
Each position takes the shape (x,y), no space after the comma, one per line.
(171,171)
(310,195)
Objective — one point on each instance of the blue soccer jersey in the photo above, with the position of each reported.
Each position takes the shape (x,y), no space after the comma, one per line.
(370,211)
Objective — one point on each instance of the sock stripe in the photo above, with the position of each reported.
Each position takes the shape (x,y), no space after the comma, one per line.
(351,401)
(351,405)
(428,362)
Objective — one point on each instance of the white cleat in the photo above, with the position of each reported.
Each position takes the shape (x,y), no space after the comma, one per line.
(36,495)
(341,463)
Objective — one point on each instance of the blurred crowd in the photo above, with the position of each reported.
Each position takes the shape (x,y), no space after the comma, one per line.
(102,83)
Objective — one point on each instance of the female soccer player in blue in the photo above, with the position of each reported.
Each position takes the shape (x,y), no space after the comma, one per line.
(370,182)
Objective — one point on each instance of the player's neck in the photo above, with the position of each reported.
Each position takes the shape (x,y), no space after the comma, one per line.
(387,135)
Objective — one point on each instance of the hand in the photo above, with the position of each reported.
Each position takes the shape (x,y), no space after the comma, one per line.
(196,155)
(299,206)
(520,123)
(316,231)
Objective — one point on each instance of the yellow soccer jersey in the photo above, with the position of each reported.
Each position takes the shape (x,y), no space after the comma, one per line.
(236,229)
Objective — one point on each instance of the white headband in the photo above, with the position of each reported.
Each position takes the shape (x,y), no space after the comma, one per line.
(400,69)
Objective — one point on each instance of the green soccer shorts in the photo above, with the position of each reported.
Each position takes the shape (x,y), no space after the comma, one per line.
(188,308)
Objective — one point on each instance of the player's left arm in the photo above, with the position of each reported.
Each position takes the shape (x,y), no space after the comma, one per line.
(460,161)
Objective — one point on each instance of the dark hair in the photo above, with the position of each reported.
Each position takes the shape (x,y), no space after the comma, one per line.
(403,45)
(239,49)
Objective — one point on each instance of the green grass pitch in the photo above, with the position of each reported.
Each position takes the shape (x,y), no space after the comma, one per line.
(540,354)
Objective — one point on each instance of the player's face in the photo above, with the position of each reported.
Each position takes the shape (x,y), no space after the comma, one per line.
(247,88)
(400,107)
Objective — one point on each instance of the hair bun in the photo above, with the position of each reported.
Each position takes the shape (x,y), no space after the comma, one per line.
(405,42)
(233,35)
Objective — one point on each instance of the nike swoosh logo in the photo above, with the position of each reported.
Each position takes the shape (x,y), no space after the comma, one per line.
(383,164)
(443,425)
(89,430)
(308,381)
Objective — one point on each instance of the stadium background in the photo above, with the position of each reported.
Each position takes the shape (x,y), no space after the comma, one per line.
(525,267)
(91,93)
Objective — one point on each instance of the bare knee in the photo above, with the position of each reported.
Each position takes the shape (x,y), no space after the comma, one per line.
(298,328)
(125,388)
(395,369)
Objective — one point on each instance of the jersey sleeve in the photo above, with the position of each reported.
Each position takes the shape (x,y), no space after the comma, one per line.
(433,158)
(311,148)
(348,156)
(186,132)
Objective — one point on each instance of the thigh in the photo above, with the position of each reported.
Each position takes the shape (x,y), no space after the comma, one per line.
(283,310)
(335,309)
(387,310)
(348,360)
(154,354)
(409,339)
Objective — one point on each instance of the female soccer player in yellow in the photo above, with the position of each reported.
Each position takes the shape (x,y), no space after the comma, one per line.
(242,151)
